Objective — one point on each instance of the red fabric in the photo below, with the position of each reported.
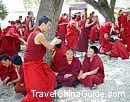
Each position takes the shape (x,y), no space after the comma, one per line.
(8,72)
(82,45)
(72,35)
(57,59)
(124,21)
(119,50)
(20,86)
(128,35)
(10,38)
(88,66)
(104,29)
(66,68)
(62,28)
(93,33)
(105,46)
(34,52)
(38,76)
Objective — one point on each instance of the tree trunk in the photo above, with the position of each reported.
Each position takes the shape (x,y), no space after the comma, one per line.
(51,9)
(104,8)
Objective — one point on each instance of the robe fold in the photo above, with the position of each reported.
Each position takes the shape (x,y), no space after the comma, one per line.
(119,50)
(66,68)
(128,35)
(88,66)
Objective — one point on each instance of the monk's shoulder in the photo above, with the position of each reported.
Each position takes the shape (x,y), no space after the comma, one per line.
(98,58)
(77,60)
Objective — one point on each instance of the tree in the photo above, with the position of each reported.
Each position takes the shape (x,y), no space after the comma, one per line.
(3,11)
(51,9)
(103,6)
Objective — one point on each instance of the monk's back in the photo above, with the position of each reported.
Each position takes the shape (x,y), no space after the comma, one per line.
(34,52)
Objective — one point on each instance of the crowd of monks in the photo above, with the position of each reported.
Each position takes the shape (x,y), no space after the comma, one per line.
(67,70)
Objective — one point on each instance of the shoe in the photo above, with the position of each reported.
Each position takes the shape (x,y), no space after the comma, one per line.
(94,87)
(58,86)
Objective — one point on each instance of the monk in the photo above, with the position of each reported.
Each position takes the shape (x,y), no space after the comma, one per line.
(92,71)
(62,26)
(35,67)
(12,39)
(59,52)
(82,45)
(29,24)
(7,71)
(20,86)
(69,70)
(94,30)
(72,33)
(118,49)
(105,46)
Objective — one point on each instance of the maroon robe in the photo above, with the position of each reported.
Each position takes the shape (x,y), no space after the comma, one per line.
(119,50)
(128,35)
(105,46)
(57,59)
(62,28)
(82,45)
(10,38)
(88,66)
(72,35)
(66,68)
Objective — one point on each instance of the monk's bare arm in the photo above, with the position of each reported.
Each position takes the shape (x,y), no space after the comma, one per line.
(30,26)
(92,72)
(88,25)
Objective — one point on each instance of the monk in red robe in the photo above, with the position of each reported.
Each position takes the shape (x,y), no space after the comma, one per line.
(35,67)
(29,24)
(72,33)
(8,73)
(62,26)
(92,71)
(69,70)
(11,39)
(57,57)
(118,49)
(20,86)
(105,46)
(82,45)
(94,30)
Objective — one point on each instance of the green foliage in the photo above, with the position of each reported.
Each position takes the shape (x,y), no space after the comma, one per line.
(3,11)
(29,4)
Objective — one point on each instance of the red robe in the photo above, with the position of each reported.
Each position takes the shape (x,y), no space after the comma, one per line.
(128,35)
(57,59)
(119,50)
(10,38)
(72,35)
(88,66)
(37,73)
(62,28)
(7,72)
(104,29)
(66,68)
(93,33)
(82,45)
(20,86)
(105,46)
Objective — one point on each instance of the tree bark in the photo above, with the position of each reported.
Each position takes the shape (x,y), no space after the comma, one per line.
(51,9)
(104,8)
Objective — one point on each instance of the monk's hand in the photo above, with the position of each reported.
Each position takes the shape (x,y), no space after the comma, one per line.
(56,41)
(122,30)
(67,75)
(83,76)
(56,73)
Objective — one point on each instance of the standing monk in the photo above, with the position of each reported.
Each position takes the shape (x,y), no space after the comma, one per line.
(37,73)
(92,71)
(72,33)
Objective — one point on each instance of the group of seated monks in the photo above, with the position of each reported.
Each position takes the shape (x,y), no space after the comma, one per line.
(69,74)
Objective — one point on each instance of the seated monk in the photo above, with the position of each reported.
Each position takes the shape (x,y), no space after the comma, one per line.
(69,70)
(19,87)
(92,71)
(105,46)
(118,49)
(8,73)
